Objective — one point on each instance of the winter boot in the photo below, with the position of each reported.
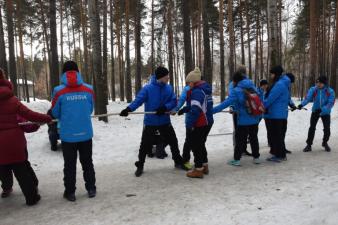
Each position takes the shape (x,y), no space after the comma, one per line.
(246,153)
(70,197)
(257,161)
(6,193)
(181,166)
(92,193)
(196,173)
(288,152)
(327,147)
(188,165)
(54,148)
(33,201)
(206,169)
(234,162)
(139,170)
(307,148)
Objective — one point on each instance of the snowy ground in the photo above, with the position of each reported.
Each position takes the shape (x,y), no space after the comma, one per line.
(301,191)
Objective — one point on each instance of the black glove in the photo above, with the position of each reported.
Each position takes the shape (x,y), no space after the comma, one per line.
(161,111)
(300,106)
(182,111)
(293,108)
(125,112)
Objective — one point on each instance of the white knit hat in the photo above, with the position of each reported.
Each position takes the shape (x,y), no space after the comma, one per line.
(194,76)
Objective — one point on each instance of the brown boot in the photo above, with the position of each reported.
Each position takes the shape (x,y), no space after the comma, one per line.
(195,173)
(206,169)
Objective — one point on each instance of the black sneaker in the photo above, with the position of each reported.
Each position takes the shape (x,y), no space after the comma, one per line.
(181,166)
(34,201)
(327,147)
(70,197)
(288,152)
(92,193)
(6,193)
(139,170)
(308,148)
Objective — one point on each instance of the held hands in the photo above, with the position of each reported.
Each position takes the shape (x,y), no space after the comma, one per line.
(161,111)
(125,112)
(293,108)
(300,106)
(182,111)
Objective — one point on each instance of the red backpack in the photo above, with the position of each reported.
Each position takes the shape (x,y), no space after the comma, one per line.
(253,102)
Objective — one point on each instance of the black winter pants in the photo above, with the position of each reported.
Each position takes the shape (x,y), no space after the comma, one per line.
(276,129)
(70,158)
(313,123)
(198,137)
(168,133)
(241,136)
(25,176)
(187,146)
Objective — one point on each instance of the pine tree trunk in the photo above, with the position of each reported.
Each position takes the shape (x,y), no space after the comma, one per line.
(152,37)
(11,48)
(104,51)
(128,75)
(83,14)
(61,30)
(199,38)
(242,32)
(54,69)
(231,39)
(187,37)
(313,38)
(97,58)
(273,33)
(248,37)
(221,37)
(112,81)
(22,55)
(334,62)
(138,73)
(207,67)
(170,41)
(3,58)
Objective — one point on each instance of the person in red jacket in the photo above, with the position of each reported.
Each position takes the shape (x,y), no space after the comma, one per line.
(13,154)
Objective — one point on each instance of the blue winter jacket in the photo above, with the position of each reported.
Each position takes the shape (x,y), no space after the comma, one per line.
(155,95)
(277,101)
(323,99)
(72,105)
(182,98)
(199,106)
(237,98)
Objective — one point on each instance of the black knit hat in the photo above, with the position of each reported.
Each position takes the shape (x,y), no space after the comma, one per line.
(322,79)
(70,66)
(161,72)
(237,77)
(277,70)
(263,82)
(291,77)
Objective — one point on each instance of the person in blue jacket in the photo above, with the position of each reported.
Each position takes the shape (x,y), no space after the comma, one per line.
(276,102)
(72,105)
(323,98)
(157,96)
(247,124)
(199,121)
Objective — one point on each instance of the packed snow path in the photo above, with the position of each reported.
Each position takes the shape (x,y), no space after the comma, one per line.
(300,191)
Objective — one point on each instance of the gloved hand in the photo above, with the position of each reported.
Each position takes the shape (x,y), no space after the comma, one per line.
(161,111)
(125,112)
(182,111)
(300,106)
(293,108)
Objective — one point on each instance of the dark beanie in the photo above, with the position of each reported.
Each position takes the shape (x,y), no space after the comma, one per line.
(70,66)
(161,72)
(322,79)
(263,82)
(277,70)
(291,77)
(237,77)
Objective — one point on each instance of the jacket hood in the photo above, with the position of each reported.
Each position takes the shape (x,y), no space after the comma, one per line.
(6,89)
(204,86)
(71,79)
(246,83)
(285,80)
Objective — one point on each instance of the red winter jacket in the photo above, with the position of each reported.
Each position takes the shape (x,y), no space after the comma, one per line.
(12,138)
